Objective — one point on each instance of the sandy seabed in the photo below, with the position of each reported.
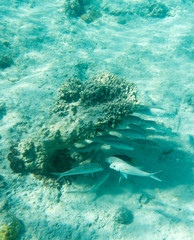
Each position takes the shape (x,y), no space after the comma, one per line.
(40,47)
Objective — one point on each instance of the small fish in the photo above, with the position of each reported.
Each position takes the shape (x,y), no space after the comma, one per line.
(82,169)
(137,128)
(134,119)
(106,137)
(153,111)
(88,148)
(128,132)
(118,144)
(125,169)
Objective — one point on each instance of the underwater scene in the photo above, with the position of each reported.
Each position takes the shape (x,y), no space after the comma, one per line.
(96,119)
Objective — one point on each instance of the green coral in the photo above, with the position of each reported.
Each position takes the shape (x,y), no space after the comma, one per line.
(10,227)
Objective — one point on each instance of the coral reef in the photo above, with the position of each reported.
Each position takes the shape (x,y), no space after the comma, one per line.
(10,227)
(82,110)
(105,100)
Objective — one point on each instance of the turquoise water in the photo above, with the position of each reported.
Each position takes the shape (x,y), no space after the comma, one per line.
(70,73)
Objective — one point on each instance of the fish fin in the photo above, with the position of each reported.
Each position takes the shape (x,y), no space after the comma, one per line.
(124,175)
(59,175)
(121,177)
(151,175)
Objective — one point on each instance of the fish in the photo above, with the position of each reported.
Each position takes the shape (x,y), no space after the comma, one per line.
(137,128)
(105,137)
(113,159)
(134,119)
(128,132)
(118,144)
(82,169)
(126,169)
(125,158)
(153,111)
(87,148)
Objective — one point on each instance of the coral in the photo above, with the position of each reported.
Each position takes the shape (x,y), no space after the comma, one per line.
(91,15)
(155,10)
(40,154)
(74,8)
(104,99)
(137,8)
(85,109)
(5,62)
(16,164)
(123,216)
(10,227)
(82,8)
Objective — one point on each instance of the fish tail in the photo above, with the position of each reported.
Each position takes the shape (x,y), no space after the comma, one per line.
(152,176)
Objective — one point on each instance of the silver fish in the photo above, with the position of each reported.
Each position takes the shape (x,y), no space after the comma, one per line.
(125,169)
(134,119)
(128,132)
(142,122)
(82,169)
(118,144)
(106,137)
(88,148)
(153,111)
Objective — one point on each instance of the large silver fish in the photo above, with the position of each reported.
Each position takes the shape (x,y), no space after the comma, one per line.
(125,169)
